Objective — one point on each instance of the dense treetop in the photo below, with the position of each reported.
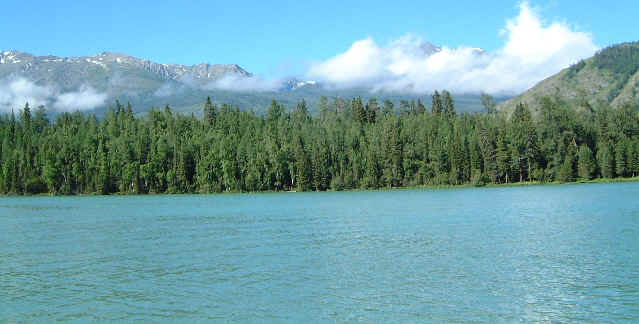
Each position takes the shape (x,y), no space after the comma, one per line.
(348,144)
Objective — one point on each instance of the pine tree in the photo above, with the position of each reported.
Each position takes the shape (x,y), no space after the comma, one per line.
(503,158)
(104,172)
(164,152)
(567,170)
(586,163)
(26,118)
(448,105)
(420,107)
(303,166)
(522,141)
(489,103)
(321,165)
(633,154)
(437,106)
(606,160)
(371,109)
(372,171)
(323,107)
(210,112)
(358,111)
(621,159)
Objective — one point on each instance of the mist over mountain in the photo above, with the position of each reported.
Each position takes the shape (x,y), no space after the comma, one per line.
(405,68)
(92,83)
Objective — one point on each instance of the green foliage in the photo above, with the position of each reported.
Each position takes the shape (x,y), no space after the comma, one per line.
(606,160)
(575,68)
(608,77)
(621,59)
(489,103)
(437,106)
(567,169)
(210,112)
(586,163)
(348,145)
(35,186)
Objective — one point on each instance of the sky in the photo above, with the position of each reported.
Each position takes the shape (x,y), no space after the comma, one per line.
(343,43)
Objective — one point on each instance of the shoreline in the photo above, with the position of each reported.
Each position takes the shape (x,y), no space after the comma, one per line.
(416,187)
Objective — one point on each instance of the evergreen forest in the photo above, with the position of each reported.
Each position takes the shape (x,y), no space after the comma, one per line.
(347,144)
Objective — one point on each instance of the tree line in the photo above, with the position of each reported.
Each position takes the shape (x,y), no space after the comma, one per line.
(348,144)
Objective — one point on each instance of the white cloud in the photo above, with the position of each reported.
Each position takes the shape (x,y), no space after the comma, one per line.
(15,92)
(86,98)
(231,82)
(241,83)
(533,50)
(167,89)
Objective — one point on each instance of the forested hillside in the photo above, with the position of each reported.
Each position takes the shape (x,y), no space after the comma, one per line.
(348,144)
(609,77)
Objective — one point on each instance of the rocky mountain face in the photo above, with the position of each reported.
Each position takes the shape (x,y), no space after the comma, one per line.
(93,83)
(610,77)
(108,69)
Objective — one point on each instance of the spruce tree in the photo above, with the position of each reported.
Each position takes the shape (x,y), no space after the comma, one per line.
(448,104)
(209,112)
(586,163)
(358,111)
(371,109)
(437,105)
(567,171)
(620,159)
(303,166)
(420,107)
(606,160)
(503,158)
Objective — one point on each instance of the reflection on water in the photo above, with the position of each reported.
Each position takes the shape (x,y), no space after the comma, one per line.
(531,254)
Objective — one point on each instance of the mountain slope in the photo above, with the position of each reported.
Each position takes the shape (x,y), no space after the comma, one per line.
(609,77)
(105,70)
(43,80)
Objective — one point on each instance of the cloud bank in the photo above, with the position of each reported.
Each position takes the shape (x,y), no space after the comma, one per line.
(533,50)
(232,82)
(241,83)
(15,92)
(86,98)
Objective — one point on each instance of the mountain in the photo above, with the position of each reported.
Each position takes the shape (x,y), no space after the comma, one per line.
(106,69)
(92,83)
(609,77)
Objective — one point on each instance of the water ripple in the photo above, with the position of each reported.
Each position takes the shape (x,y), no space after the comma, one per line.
(530,254)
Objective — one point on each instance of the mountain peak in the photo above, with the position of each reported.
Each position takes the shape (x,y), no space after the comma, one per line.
(13,57)
(20,63)
(430,48)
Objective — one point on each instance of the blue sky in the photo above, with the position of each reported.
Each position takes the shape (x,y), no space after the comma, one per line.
(277,38)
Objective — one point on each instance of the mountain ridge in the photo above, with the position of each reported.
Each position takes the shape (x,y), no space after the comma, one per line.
(26,62)
(610,77)
(110,75)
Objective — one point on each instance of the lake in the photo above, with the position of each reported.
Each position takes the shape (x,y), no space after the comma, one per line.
(567,253)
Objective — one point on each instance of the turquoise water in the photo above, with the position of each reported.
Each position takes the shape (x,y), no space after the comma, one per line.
(533,254)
